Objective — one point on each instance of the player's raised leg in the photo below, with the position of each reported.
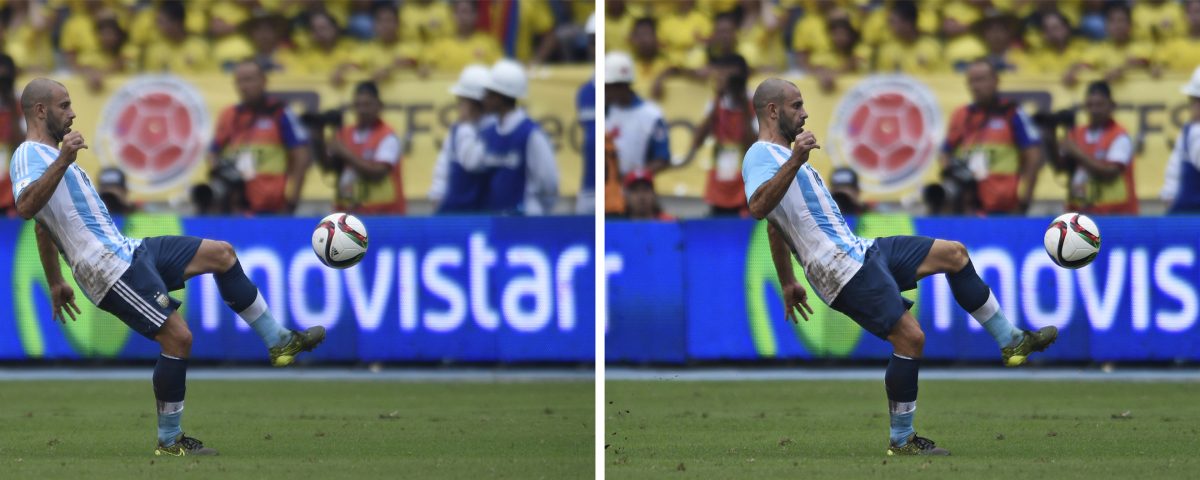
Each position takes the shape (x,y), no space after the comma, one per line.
(243,297)
(170,384)
(974,296)
(908,345)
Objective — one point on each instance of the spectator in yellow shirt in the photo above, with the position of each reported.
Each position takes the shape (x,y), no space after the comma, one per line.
(910,51)
(848,55)
(760,32)
(176,51)
(618,25)
(227,23)
(1057,49)
(386,53)
(425,21)
(960,20)
(684,30)
(115,55)
(535,38)
(25,35)
(999,32)
(78,34)
(1182,54)
(329,52)
(467,46)
(650,65)
(1157,20)
(810,36)
(1120,53)
(266,34)
(723,43)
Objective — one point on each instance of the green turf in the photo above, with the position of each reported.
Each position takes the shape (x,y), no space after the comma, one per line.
(827,429)
(302,429)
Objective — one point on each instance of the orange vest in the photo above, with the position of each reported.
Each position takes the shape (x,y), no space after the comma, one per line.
(986,138)
(378,196)
(614,192)
(729,130)
(254,142)
(1114,196)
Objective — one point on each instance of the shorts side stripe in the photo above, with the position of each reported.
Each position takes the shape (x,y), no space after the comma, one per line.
(138,299)
(140,309)
(155,317)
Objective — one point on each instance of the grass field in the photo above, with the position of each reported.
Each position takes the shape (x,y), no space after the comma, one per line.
(838,429)
(302,429)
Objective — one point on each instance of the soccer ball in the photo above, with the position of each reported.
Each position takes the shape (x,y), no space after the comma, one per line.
(340,240)
(1072,240)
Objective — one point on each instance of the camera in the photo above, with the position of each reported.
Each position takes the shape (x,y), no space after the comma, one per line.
(328,118)
(1059,118)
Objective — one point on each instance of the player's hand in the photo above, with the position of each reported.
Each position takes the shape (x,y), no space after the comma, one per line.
(804,143)
(62,300)
(794,297)
(71,145)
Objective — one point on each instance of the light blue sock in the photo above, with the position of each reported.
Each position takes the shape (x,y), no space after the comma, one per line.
(994,321)
(1002,330)
(258,316)
(168,427)
(902,427)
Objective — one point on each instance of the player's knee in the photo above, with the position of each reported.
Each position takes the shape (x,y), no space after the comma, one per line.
(176,342)
(958,256)
(226,257)
(910,342)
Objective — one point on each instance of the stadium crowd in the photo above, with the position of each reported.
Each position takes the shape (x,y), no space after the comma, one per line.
(722,42)
(262,150)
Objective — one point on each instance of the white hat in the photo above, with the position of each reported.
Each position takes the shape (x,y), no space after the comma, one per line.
(590,26)
(1192,88)
(618,68)
(508,79)
(471,82)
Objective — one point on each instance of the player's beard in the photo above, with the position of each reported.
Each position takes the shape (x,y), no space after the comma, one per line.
(56,130)
(789,130)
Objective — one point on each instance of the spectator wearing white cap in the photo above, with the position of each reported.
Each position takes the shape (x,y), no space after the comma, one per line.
(459,176)
(635,125)
(518,154)
(1181,184)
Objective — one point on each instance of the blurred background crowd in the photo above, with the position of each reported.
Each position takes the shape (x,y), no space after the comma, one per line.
(264,145)
(1076,48)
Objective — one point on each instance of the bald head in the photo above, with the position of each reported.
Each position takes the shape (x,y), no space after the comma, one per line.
(47,107)
(771,90)
(40,90)
(780,110)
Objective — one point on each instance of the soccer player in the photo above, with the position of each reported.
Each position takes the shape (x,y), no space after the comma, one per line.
(129,278)
(859,277)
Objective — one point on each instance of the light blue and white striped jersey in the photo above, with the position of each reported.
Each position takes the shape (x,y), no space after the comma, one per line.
(810,220)
(77,219)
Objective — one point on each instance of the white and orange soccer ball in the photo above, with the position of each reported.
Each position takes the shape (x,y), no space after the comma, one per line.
(340,240)
(1072,240)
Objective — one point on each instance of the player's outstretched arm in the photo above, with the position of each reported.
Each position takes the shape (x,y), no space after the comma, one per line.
(34,197)
(794,295)
(62,297)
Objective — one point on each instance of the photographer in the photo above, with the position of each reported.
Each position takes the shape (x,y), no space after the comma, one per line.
(1099,158)
(259,152)
(367,158)
(995,140)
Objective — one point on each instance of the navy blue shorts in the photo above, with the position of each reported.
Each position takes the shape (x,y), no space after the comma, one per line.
(139,298)
(872,297)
